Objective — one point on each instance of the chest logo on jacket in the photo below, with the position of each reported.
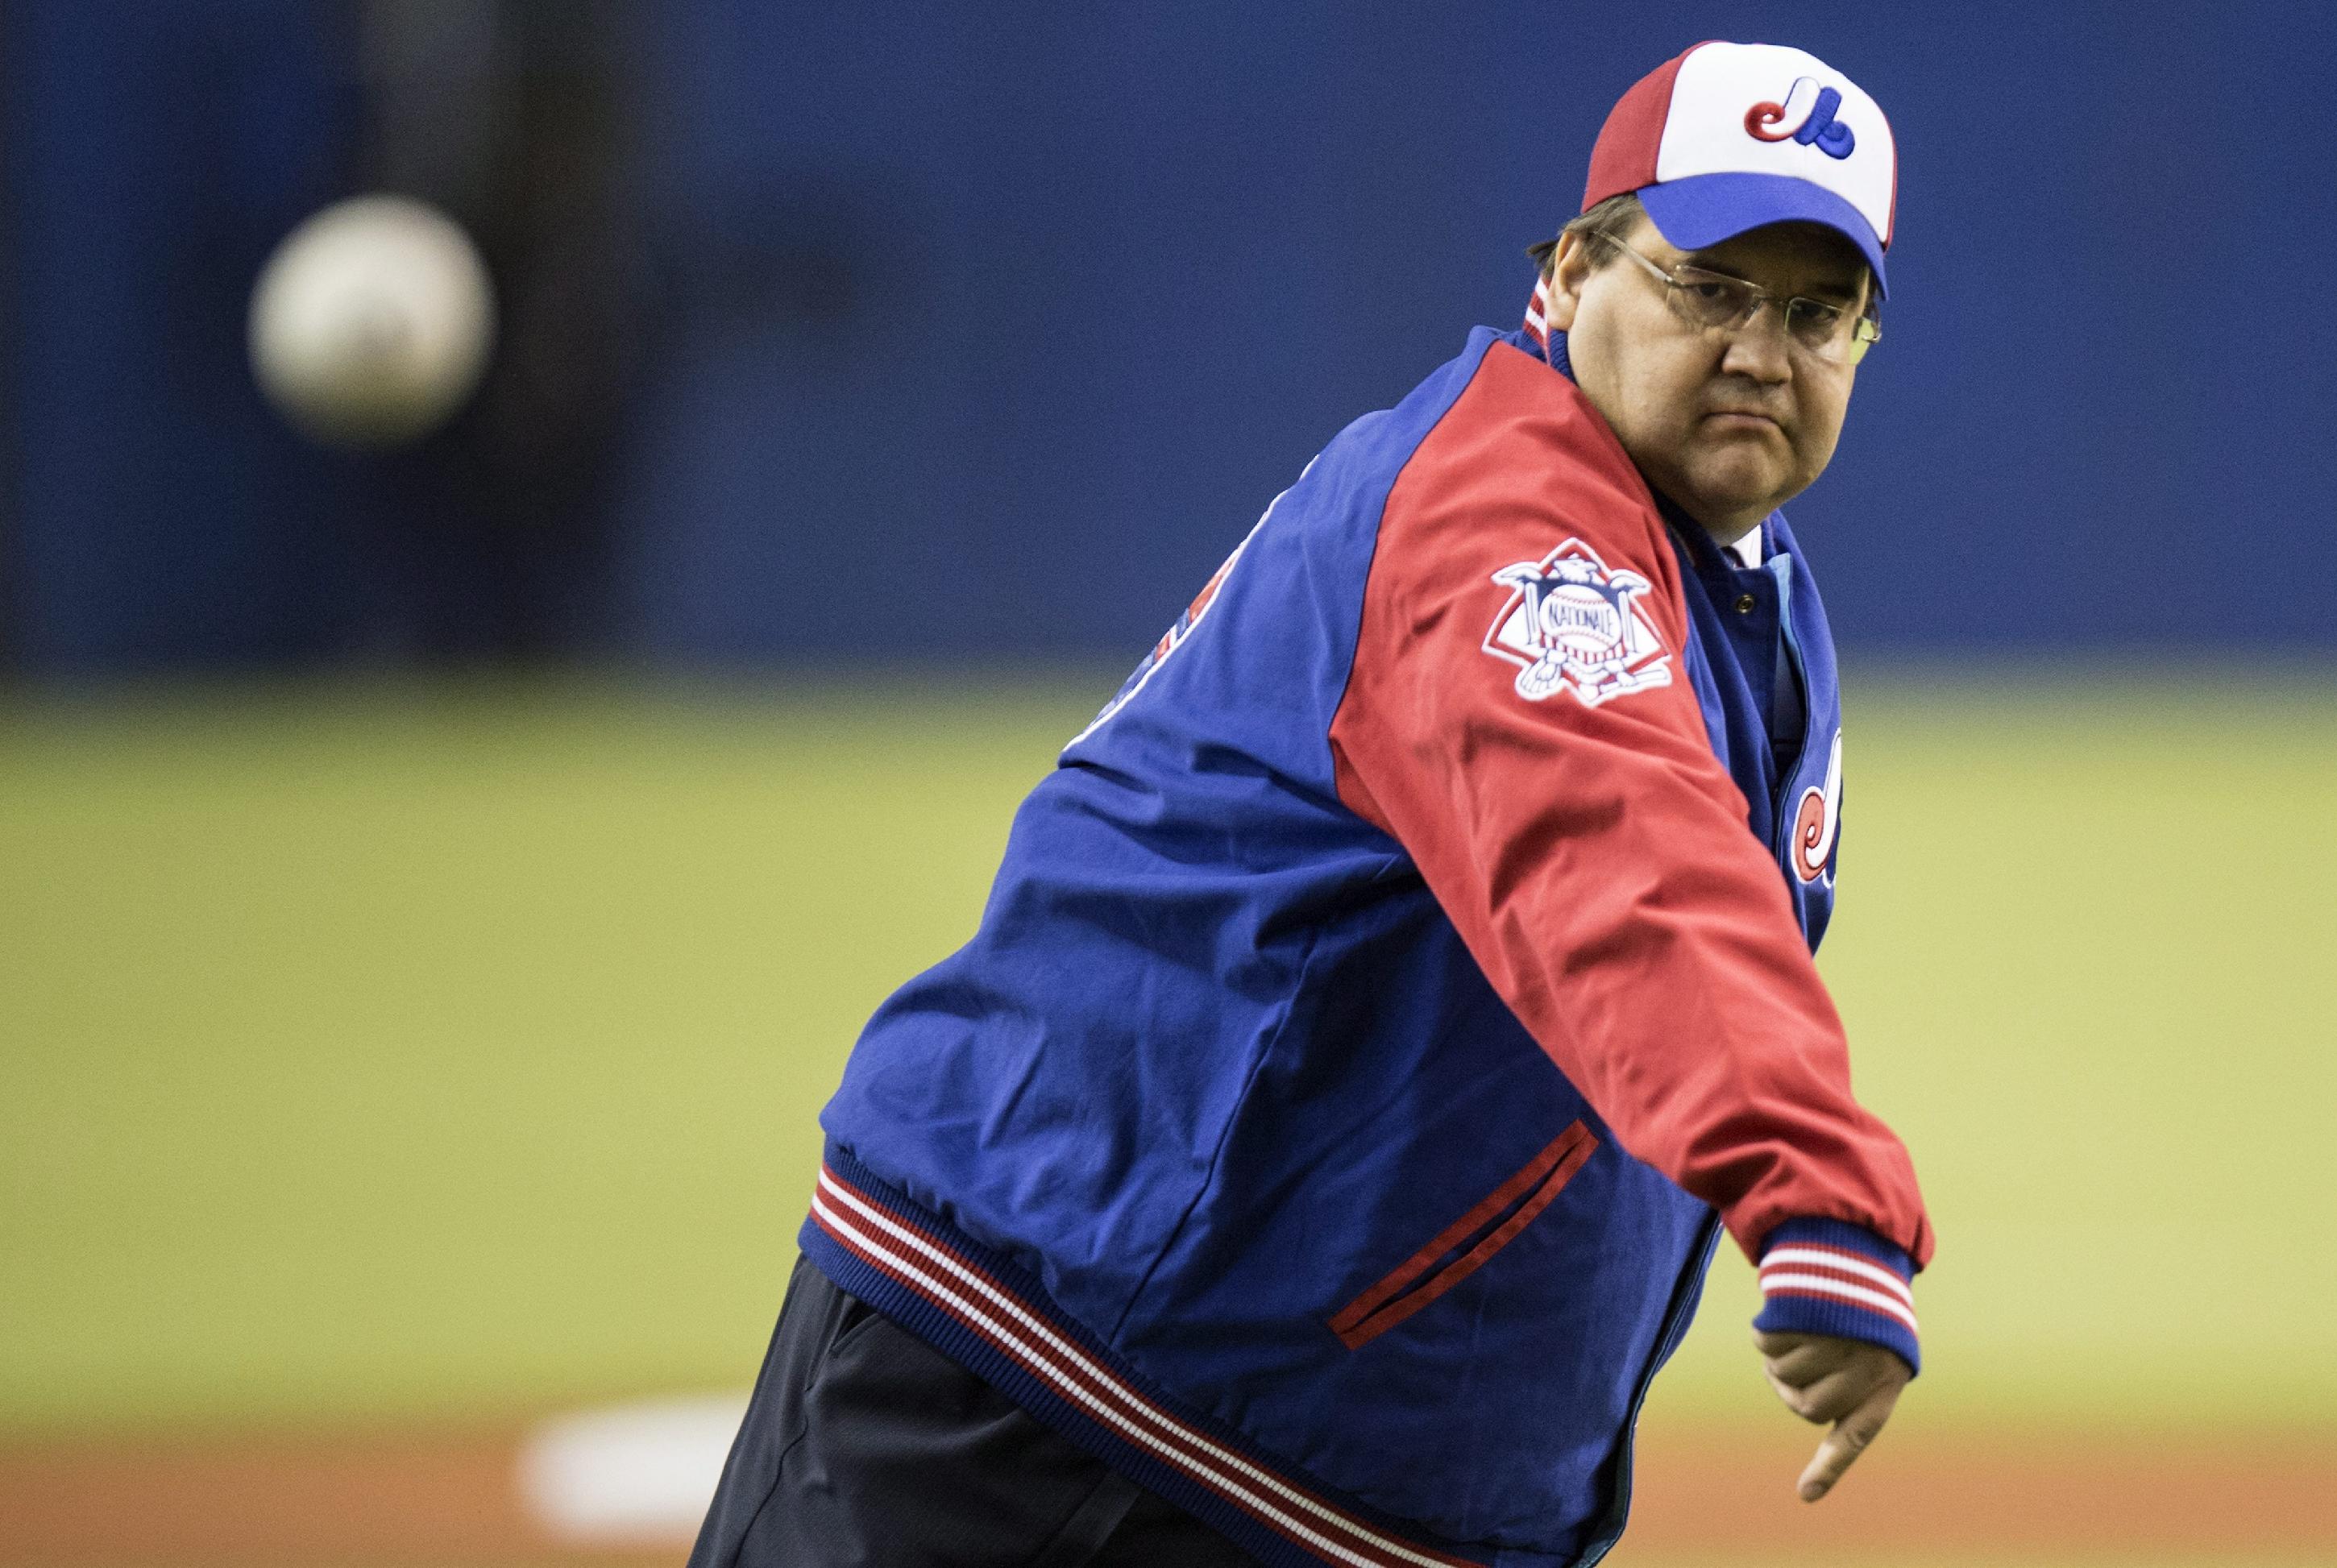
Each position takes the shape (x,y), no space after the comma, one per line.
(1818,819)
(1571,624)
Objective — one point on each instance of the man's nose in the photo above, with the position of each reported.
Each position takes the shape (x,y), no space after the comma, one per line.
(1758,349)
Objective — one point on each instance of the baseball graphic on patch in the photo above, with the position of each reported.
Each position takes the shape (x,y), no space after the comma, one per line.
(1571,623)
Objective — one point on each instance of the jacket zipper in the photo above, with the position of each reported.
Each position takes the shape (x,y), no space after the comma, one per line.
(1682,1313)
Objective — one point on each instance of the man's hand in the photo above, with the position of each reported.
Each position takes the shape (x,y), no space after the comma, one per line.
(1847,1382)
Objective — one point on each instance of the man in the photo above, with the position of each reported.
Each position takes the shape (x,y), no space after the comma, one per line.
(1384,1006)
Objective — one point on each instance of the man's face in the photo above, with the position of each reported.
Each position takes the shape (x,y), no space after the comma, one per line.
(1730,424)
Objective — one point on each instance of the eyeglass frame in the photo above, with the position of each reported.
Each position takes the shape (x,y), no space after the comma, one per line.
(1866,328)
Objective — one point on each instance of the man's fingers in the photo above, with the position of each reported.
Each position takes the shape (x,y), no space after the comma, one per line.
(1823,1378)
(1847,1441)
(1805,1363)
(1828,1398)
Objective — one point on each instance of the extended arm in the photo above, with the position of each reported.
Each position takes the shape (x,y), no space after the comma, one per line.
(1594,856)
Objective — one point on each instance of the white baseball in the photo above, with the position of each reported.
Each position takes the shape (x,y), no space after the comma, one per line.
(371,323)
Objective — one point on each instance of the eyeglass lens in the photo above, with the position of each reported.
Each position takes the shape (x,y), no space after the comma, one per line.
(1714,299)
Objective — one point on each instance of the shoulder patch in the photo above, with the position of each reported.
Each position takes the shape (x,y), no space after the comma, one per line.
(1573,624)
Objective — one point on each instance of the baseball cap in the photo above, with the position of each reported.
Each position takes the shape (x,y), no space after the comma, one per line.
(1727,137)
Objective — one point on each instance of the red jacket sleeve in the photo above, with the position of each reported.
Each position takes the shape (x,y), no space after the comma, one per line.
(1594,855)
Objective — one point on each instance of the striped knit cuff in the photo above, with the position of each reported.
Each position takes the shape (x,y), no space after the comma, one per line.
(1828,1277)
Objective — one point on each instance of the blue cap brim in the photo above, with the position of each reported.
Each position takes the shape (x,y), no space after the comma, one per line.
(1705,209)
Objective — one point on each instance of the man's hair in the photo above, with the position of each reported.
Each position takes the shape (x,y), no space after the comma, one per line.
(1610,219)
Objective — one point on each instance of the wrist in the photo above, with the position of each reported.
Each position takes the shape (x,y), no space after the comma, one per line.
(1831,1276)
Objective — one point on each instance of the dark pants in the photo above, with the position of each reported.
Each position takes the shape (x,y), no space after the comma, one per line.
(866,1446)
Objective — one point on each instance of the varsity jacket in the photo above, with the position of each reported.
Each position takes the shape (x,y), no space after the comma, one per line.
(1385,1002)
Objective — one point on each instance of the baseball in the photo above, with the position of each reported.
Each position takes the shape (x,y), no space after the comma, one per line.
(372,322)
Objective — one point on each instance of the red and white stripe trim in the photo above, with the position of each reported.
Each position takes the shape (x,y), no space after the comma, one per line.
(1538,313)
(1802,1269)
(983,1305)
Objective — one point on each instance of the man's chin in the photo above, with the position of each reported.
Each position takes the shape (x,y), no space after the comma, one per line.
(1731,489)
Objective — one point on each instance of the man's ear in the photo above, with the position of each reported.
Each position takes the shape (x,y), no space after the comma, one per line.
(1570,265)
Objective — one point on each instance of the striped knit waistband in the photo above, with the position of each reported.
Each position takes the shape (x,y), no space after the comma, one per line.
(990,1317)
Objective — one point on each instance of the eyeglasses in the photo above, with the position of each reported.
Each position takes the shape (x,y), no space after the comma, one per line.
(1713,300)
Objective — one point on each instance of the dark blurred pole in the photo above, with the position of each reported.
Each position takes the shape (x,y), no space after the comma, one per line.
(11,428)
(516,118)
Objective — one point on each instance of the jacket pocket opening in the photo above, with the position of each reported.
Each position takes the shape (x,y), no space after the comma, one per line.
(1467,1244)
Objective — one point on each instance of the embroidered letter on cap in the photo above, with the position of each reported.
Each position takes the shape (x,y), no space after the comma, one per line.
(1807,116)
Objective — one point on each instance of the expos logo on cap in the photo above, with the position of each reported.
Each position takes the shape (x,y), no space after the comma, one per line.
(1727,137)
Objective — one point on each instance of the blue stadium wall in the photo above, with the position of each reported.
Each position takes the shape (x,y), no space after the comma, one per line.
(990,328)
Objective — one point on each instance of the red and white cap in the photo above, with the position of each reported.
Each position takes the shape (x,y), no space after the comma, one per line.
(1730,136)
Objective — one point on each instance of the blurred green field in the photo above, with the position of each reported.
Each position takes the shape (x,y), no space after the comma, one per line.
(408,1054)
